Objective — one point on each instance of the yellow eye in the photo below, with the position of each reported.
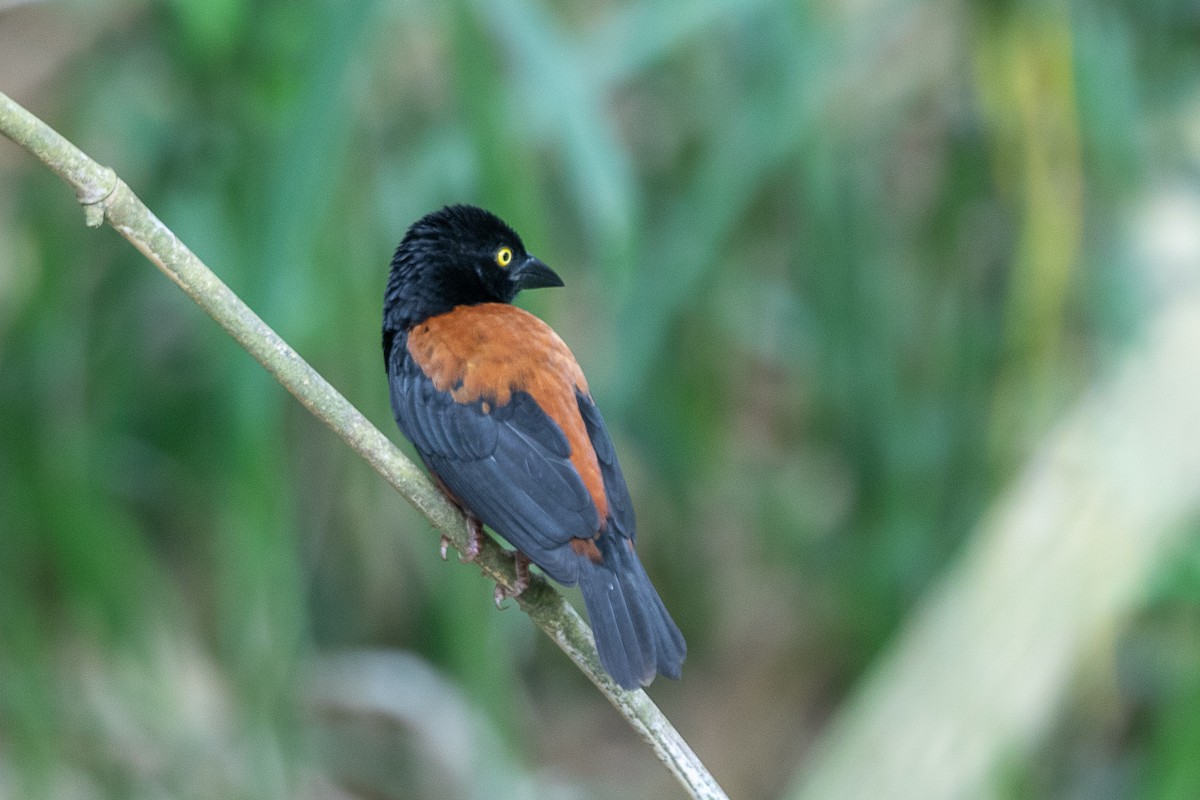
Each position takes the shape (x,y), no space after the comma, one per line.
(504,256)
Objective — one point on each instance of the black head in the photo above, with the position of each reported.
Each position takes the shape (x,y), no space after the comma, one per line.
(461,255)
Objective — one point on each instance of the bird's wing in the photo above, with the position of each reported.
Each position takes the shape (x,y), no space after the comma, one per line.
(508,464)
(620,506)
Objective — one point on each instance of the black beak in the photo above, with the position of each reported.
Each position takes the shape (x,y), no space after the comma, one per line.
(533,274)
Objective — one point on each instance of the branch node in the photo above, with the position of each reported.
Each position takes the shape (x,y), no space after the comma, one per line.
(94,197)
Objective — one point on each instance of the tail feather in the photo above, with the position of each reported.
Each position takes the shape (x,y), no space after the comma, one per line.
(635,635)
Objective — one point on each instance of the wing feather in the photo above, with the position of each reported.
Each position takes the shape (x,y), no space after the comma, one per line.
(509,465)
(620,505)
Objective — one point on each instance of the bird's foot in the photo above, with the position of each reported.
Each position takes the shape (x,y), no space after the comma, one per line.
(521,562)
(474,541)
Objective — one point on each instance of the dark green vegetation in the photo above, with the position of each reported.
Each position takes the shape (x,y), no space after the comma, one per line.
(832,271)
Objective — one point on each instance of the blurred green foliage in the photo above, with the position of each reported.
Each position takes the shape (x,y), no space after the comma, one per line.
(832,268)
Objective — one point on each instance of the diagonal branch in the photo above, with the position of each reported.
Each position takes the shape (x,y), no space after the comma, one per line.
(106,198)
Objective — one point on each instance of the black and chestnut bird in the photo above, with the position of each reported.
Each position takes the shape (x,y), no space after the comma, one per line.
(499,410)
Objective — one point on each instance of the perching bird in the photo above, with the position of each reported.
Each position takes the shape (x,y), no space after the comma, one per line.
(499,410)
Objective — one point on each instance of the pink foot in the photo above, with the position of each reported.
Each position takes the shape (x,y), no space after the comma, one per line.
(521,562)
(474,541)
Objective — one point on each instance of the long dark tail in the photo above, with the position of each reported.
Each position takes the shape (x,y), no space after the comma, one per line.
(634,633)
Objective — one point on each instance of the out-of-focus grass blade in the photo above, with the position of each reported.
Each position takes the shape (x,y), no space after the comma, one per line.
(815,85)
(638,36)
(564,102)
(310,159)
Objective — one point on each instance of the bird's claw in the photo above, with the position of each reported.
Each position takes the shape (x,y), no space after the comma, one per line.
(471,552)
(519,585)
(474,542)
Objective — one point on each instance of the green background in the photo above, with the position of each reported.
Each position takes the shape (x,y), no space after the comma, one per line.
(833,269)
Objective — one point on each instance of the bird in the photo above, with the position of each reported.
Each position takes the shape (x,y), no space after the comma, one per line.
(499,410)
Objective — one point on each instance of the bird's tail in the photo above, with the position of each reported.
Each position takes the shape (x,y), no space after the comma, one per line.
(634,633)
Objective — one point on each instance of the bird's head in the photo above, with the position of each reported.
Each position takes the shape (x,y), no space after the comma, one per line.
(460,255)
